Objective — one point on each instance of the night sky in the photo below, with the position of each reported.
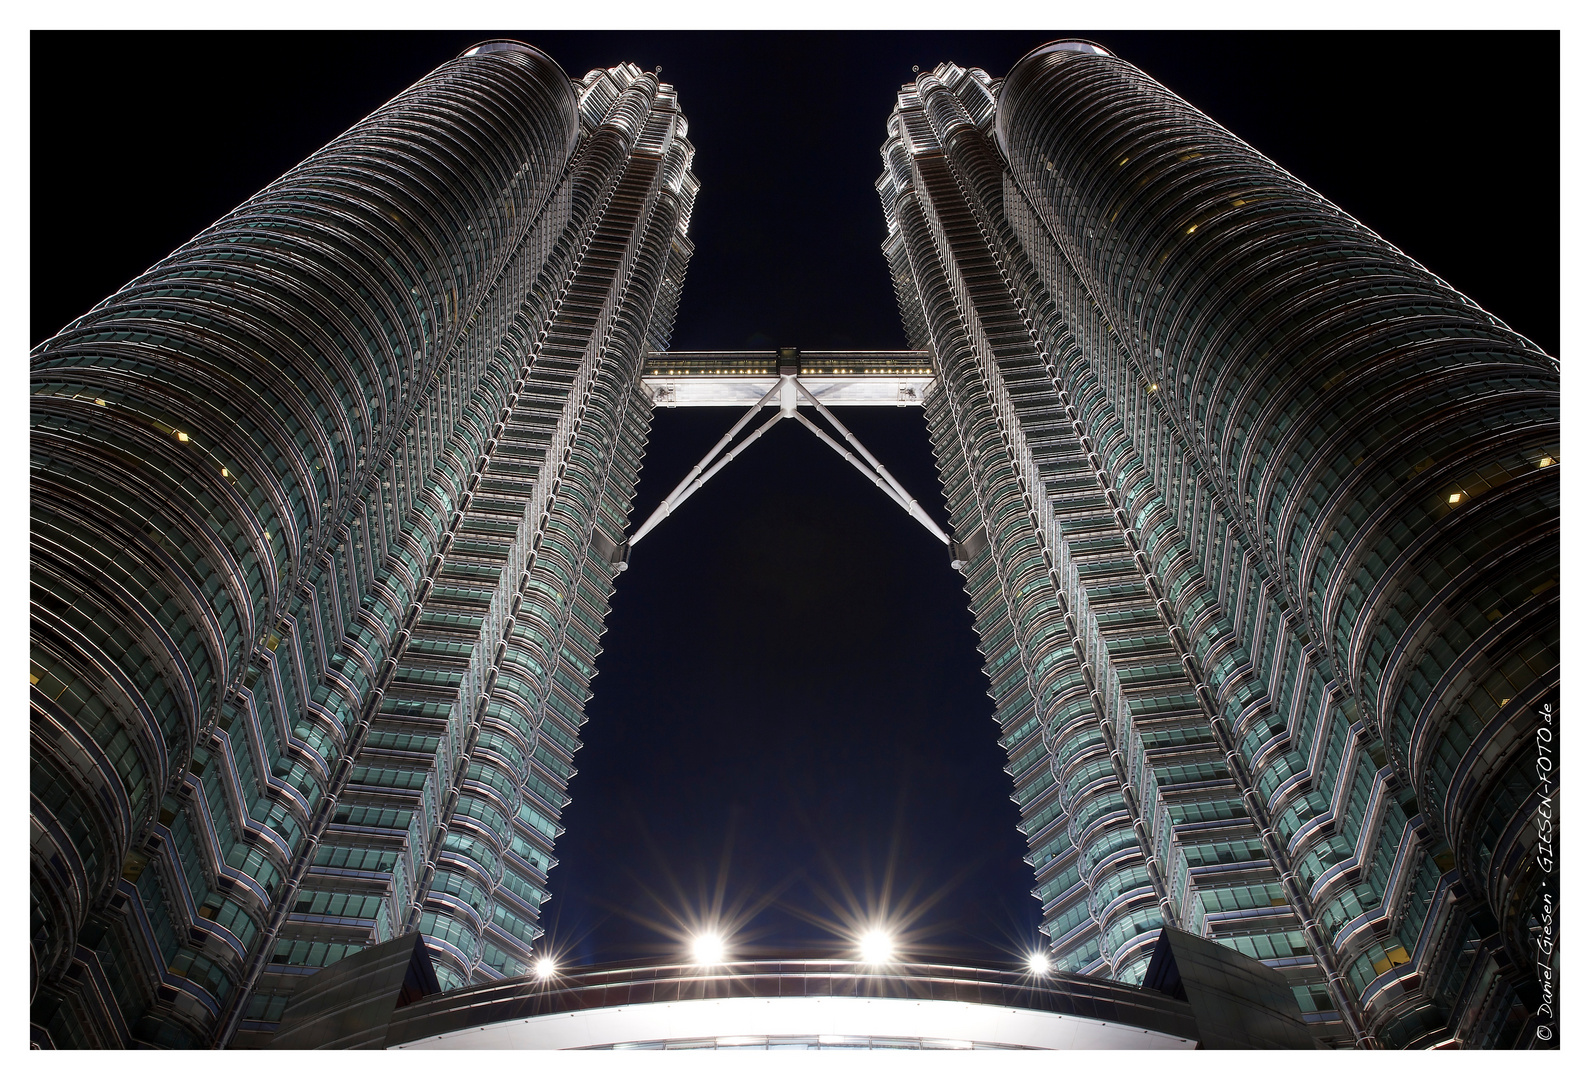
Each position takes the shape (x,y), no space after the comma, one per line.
(790,732)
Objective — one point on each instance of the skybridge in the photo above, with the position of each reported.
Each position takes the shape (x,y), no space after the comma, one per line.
(884,377)
(789,380)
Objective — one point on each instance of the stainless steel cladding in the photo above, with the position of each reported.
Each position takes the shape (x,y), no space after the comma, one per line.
(314,610)
(1269,600)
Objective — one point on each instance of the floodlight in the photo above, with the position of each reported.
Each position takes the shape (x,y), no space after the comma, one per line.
(708,948)
(877,947)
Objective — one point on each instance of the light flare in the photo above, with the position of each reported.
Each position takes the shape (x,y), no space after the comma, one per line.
(877,946)
(708,948)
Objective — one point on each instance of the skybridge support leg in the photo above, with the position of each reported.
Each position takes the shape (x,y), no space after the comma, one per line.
(904,497)
(680,493)
(694,482)
(896,493)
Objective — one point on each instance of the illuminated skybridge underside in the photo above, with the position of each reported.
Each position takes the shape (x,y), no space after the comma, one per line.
(811,1004)
(900,377)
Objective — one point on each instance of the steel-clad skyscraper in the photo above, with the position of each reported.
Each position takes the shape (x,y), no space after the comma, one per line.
(1259,525)
(317,508)
(1257,517)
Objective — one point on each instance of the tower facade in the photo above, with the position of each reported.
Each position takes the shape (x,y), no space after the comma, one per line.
(1258,520)
(1259,524)
(323,505)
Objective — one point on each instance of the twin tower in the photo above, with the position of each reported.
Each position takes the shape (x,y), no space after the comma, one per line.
(1258,520)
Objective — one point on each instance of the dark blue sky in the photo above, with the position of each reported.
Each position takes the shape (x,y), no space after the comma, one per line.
(790,699)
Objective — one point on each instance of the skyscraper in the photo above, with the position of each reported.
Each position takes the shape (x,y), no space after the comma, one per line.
(319,508)
(1257,520)
(1259,524)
